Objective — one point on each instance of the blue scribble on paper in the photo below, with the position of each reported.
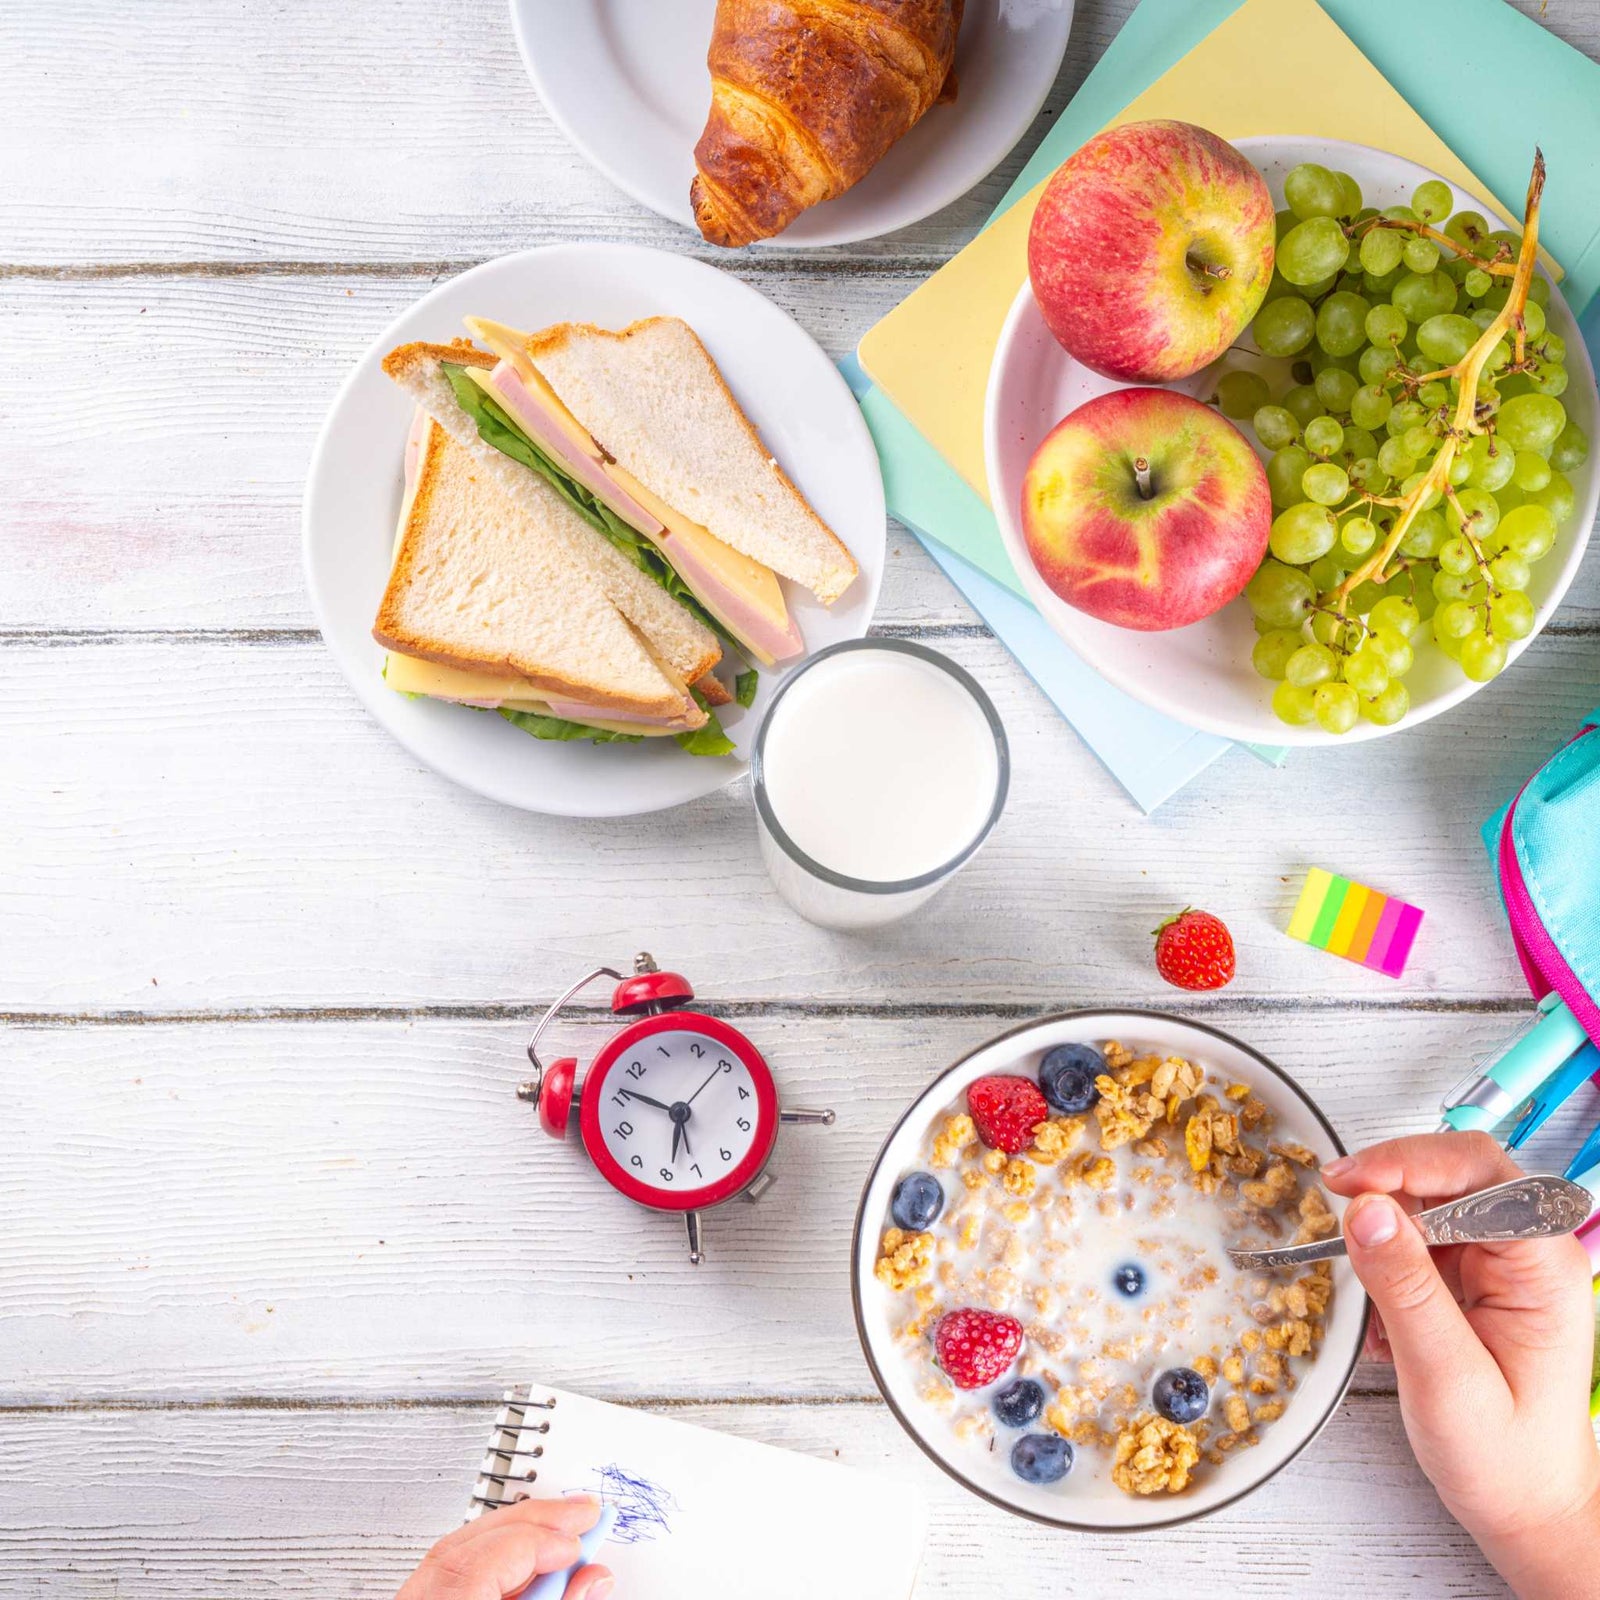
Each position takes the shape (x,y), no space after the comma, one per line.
(642,1507)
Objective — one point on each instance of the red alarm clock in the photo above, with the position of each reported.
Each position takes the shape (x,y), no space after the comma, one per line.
(679,1110)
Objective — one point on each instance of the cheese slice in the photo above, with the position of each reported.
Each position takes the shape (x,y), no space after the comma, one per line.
(409,675)
(509,345)
(751,587)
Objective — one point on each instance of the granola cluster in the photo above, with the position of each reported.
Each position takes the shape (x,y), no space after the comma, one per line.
(1167,1168)
(1153,1456)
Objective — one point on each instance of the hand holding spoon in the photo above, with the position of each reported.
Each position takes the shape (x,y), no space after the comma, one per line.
(1538,1205)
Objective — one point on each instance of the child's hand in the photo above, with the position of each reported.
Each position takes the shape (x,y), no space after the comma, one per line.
(498,1555)
(1492,1345)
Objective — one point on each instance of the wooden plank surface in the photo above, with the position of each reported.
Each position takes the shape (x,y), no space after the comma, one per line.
(351,1207)
(304,1505)
(264,981)
(293,133)
(217,823)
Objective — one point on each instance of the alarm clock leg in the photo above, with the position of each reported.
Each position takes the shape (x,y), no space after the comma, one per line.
(696,1249)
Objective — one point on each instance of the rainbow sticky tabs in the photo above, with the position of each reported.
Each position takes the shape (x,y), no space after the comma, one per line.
(1350,920)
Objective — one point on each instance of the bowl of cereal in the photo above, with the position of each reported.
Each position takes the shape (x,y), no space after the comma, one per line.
(1041,1279)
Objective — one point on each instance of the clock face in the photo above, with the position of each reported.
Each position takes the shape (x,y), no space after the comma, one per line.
(679,1112)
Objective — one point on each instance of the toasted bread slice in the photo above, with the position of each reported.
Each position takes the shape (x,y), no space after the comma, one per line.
(687,646)
(487,585)
(654,400)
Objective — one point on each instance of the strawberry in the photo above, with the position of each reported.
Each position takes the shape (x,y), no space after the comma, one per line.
(974,1347)
(1194,950)
(1006,1110)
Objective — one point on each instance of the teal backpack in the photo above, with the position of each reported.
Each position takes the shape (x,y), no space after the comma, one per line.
(1545,845)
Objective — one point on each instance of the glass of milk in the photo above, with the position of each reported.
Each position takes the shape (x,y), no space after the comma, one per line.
(880,769)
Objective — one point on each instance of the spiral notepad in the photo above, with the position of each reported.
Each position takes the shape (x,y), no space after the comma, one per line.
(702,1515)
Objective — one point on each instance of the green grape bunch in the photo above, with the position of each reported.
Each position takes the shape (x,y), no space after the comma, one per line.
(1419,455)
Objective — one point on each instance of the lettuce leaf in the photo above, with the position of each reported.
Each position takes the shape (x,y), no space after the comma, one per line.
(709,740)
(543,727)
(496,427)
(744,687)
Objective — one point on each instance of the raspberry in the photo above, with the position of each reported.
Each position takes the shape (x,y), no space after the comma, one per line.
(1006,1110)
(974,1347)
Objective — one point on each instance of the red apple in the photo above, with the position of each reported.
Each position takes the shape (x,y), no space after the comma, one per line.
(1151,249)
(1146,509)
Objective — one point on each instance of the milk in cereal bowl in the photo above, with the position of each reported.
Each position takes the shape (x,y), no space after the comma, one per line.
(1041,1277)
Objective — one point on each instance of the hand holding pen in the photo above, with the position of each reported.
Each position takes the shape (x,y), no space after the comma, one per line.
(501,1554)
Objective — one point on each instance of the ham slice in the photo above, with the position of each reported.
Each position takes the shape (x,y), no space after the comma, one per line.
(524,406)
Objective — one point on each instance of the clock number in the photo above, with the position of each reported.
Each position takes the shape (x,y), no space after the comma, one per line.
(727,1155)
(667,1175)
(621,1097)
(695,1166)
(744,1093)
(623,1130)
(696,1049)
(744,1125)
(636,1070)
(638,1161)
(727,1066)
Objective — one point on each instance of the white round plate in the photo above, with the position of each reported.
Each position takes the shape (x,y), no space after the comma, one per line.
(627,82)
(1202,674)
(792,392)
(1081,1505)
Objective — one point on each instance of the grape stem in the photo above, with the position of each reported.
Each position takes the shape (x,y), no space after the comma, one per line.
(1499,267)
(1464,520)
(1435,483)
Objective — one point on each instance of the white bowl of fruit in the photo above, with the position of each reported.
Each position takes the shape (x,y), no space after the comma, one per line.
(1384,547)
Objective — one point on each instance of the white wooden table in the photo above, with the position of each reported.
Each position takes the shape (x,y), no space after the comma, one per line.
(273,1231)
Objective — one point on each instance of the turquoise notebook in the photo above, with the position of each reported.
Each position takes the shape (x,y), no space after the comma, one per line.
(1453,61)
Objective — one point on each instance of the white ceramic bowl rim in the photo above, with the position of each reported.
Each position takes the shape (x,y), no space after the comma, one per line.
(1085,1017)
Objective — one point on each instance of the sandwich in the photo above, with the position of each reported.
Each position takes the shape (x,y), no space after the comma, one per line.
(592,585)
(485,607)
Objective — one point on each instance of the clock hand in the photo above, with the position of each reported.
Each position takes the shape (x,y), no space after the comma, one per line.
(644,1099)
(696,1095)
(677,1134)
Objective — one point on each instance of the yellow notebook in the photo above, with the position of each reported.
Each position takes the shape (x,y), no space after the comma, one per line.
(1274,66)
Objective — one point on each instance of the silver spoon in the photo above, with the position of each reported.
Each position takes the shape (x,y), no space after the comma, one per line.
(1537,1206)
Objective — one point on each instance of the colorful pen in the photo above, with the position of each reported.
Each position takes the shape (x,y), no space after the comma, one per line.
(553,1584)
(1490,1093)
(1553,1094)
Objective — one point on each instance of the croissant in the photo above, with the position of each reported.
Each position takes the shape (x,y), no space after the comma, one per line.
(806,96)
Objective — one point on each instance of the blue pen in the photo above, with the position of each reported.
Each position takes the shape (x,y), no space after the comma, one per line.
(1553,1094)
(1497,1087)
(553,1584)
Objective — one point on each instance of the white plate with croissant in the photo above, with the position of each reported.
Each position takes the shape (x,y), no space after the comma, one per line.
(750,120)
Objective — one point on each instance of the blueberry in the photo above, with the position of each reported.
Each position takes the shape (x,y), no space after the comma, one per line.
(918,1200)
(1128,1279)
(1041,1458)
(1067,1076)
(1019,1403)
(1181,1395)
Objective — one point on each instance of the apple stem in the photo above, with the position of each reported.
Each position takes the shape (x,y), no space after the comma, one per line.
(1195,264)
(1141,477)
